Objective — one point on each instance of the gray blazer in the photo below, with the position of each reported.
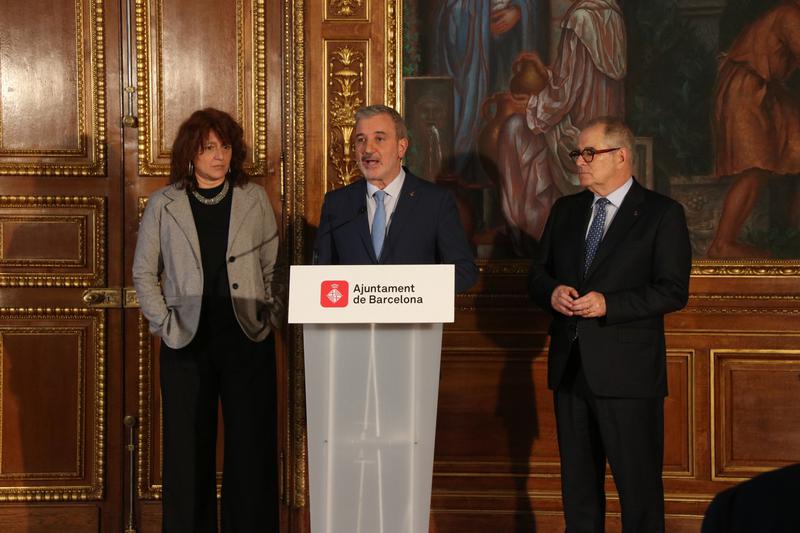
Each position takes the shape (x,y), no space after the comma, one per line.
(168,273)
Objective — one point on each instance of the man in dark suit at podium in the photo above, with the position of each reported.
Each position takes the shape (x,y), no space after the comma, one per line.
(391,216)
(613,260)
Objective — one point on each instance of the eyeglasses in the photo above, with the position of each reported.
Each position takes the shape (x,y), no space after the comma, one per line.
(588,153)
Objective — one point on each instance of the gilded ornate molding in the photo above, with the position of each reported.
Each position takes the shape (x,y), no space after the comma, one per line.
(149,164)
(346,91)
(147,489)
(88,271)
(141,203)
(394,55)
(746,268)
(53,162)
(142,26)
(294,135)
(708,310)
(260,79)
(758,297)
(94,489)
(700,268)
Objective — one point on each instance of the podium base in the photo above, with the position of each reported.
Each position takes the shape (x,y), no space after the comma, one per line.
(371,397)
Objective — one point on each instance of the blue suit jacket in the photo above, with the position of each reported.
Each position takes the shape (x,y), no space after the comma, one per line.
(424,229)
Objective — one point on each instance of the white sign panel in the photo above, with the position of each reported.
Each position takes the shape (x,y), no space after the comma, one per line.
(380,294)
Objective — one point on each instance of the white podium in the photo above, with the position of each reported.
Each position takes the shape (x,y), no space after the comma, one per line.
(372,338)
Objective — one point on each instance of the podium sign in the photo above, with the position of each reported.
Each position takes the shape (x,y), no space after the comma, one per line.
(382,294)
(371,391)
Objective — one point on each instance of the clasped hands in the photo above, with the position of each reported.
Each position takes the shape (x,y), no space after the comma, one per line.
(568,302)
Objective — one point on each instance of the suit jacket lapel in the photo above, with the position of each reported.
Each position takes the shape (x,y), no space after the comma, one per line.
(242,202)
(627,215)
(358,204)
(403,212)
(181,211)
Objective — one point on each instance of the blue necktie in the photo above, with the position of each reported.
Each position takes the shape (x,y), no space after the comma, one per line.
(379,223)
(595,234)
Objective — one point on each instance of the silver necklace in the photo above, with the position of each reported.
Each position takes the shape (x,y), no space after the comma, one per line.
(214,200)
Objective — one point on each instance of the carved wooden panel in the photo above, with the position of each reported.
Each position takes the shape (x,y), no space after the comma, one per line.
(52,241)
(209,54)
(53,89)
(52,390)
(393,50)
(679,407)
(351,10)
(756,410)
(503,398)
(346,88)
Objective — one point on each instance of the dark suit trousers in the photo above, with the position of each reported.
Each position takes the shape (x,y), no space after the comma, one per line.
(240,373)
(627,431)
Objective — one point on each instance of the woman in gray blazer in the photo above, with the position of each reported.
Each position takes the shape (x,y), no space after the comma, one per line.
(206,278)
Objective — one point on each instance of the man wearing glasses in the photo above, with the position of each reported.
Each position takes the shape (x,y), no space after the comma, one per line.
(613,260)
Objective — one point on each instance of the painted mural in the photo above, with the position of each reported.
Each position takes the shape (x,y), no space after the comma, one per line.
(497,90)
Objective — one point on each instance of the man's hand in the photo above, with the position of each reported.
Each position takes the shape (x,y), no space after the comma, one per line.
(590,305)
(563,299)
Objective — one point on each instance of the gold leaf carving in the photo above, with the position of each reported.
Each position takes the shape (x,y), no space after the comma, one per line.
(345,8)
(346,90)
(294,133)
(394,50)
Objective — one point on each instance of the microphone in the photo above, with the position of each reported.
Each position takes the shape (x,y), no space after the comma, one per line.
(362,210)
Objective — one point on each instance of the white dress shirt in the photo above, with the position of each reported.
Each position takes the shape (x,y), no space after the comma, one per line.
(616,199)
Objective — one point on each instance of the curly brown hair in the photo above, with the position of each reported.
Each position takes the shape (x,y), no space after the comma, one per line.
(190,140)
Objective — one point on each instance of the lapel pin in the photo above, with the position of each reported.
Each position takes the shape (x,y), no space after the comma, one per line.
(636,213)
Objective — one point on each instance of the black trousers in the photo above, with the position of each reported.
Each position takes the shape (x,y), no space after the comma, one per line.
(629,432)
(240,373)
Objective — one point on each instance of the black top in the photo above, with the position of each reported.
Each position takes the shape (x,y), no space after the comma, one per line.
(212,222)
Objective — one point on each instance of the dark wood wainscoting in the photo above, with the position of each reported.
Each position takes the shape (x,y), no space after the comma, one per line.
(731,413)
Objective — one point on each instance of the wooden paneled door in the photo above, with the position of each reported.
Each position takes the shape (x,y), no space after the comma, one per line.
(91,95)
(61,218)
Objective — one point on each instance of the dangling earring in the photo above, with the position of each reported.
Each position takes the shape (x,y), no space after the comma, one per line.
(191,169)
(228,173)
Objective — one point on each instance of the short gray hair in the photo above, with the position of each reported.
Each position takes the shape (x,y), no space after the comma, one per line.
(380,109)
(616,132)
